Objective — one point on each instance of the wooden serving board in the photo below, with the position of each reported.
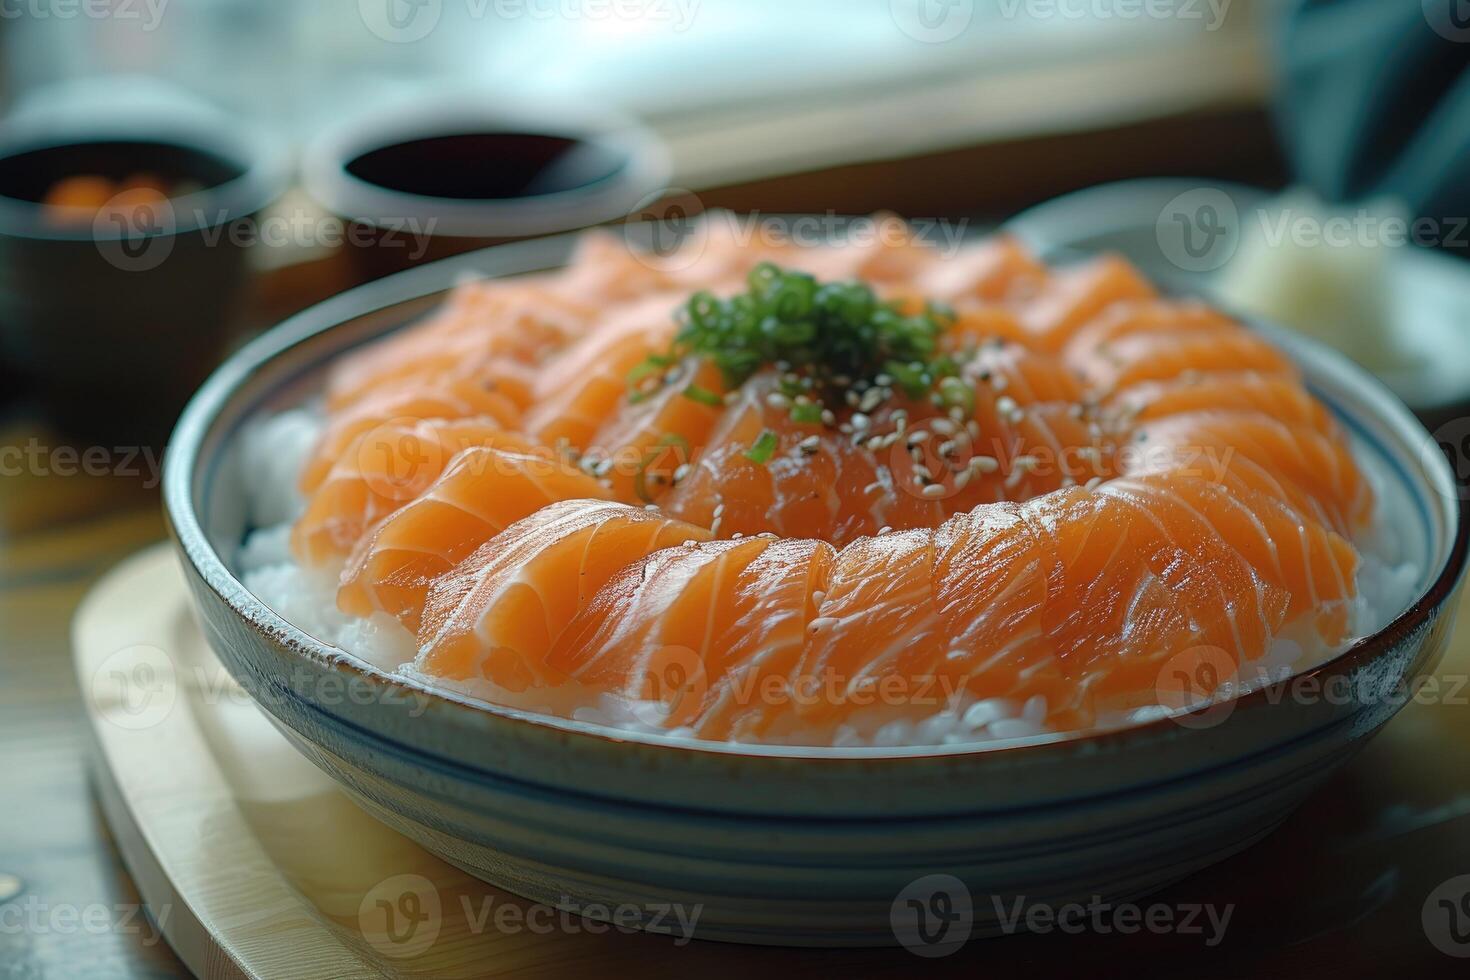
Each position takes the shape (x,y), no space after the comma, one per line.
(254,864)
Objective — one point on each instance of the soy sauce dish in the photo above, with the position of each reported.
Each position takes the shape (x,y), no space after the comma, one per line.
(786,844)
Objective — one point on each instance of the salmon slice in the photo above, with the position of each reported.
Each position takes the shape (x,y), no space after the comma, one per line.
(486,332)
(1072,296)
(1318,467)
(1138,358)
(379,472)
(481,493)
(706,632)
(579,390)
(834,485)
(645,442)
(497,614)
(1155,316)
(409,401)
(999,269)
(1278,396)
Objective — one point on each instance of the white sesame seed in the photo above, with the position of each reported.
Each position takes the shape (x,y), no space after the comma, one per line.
(943,426)
(984,464)
(961,479)
(684,470)
(999,382)
(650,506)
(1006,405)
(736,536)
(809,444)
(874,444)
(860,421)
(719,509)
(918,436)
(827,417)
(818,597)
(946,448)
(821,623)
(922,471)
(1093,483)
(884,379)
(934,491)
(777,400)
(973,428)
(885,529)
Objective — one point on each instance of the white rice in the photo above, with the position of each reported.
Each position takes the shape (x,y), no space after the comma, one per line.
(274,448)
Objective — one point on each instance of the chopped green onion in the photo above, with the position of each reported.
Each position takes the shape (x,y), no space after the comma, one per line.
(703,395)
(806,413)
(763,449)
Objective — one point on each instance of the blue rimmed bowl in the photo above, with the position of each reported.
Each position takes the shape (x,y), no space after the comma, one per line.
(775,844)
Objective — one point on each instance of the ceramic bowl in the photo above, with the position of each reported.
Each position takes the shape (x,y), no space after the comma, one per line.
(782,844)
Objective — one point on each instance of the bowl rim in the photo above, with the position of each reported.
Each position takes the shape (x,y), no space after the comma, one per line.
(325,176)
(197,424)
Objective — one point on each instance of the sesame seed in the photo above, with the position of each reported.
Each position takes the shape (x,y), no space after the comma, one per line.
(684,470)
(809,444)
(1006,405)
(719,509)
(961,479)
(818,597)
(736,536)
(984,464)
(917,436)
(777,400)
(650,506)
(828,418)
(860,421)
(874,444)
(821,623)
(1093,483)
(934,490)
(885,529)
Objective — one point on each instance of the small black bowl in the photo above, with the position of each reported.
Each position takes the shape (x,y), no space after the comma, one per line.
(115,321)
(424,181)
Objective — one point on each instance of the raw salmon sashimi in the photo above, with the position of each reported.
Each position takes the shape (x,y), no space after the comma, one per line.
(860,487)
(380,471)
(496,614)
(412,399)
(483,491)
